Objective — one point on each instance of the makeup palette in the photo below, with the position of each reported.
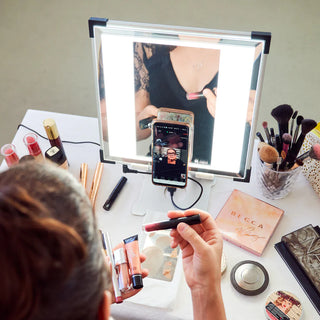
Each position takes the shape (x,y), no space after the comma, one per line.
(249,277)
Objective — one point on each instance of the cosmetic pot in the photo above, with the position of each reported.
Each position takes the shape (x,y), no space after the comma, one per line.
(56,155)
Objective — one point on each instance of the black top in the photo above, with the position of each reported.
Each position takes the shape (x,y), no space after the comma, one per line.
(168,171)
(156,75)
(166,91)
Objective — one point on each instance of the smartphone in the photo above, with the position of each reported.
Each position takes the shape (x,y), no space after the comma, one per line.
(170,153)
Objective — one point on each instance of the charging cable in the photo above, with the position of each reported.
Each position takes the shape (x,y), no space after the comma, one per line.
(173,190)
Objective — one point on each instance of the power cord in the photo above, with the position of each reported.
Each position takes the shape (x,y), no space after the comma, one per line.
(173,190)
(64,141)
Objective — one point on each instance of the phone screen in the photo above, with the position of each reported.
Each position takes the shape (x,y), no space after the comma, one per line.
(170,153)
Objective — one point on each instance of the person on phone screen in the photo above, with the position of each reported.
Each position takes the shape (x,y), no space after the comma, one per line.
(170,167)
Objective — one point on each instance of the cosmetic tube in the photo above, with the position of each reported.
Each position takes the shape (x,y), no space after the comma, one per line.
(106,243)
(53,134)
(132,247)
(172,223)
(10,155)
(31,142)
(121,263)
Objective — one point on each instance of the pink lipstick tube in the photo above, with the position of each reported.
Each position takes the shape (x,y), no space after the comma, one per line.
(172,223)
(194,95)
(10,155)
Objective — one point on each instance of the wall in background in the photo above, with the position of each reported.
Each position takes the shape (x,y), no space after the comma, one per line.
(46,63)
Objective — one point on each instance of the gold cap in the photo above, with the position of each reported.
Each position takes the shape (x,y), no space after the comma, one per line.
(51,128)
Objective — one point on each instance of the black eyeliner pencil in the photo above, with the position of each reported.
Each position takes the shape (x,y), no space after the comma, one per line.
(114,194)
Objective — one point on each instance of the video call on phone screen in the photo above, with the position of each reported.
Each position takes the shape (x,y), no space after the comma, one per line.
(170,154)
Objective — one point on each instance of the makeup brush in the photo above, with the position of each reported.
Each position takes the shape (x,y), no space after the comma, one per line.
(306,126)
(282,114)
(259,135)
(272,137)
(278,145)
(292,121)
(295,136)
(266,130)
(313,153)
(286,142)
(268,154)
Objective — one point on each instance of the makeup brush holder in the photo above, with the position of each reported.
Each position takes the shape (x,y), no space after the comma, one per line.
(275,184)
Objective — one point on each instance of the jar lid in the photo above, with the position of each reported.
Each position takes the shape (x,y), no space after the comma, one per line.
(283,305)
(249,277)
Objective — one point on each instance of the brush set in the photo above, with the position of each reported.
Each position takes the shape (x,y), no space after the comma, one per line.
(280,148)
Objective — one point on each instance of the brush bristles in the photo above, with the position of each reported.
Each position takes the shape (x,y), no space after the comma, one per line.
(314,152)
(282,113)
(307,125)
(299,120)
(294,115)
(286,138)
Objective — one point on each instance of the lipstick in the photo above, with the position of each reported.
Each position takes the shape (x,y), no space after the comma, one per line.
(194,95)
(30,140)
(172,223)
(10,155)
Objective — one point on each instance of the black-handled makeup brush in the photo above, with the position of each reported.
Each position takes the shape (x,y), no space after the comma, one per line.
(272,137)
(292,121)
(296,131)
(306,126)
(282,114)
(259,135)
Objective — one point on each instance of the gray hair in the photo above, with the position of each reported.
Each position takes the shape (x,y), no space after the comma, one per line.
(44,210)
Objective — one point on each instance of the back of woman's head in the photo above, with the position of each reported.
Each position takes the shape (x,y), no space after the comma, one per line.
(50,255)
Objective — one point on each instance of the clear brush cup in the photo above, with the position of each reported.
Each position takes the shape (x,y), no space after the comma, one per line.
(275,184)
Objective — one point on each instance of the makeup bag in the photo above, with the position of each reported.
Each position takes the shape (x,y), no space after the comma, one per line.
(311,167)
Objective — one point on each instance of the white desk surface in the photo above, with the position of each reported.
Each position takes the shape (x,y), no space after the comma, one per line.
(301,207)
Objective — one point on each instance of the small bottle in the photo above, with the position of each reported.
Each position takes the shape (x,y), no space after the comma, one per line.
(120,260)
(10,155)
(53,134)
(55,155)
(31,142)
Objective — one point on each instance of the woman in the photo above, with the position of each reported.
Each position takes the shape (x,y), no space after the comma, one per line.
(52,264)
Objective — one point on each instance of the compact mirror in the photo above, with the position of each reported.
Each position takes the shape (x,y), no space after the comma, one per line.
(217,75)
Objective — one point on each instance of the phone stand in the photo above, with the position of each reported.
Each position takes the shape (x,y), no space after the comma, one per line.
(157,198)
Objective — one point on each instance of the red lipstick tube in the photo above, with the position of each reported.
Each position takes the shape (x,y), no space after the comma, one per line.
(172,223)
(30,140)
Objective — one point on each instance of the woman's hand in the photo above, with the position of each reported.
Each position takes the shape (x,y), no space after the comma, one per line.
(201,247)
(131,292)
(211,97)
